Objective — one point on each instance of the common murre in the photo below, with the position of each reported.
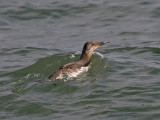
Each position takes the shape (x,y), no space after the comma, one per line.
(74,68)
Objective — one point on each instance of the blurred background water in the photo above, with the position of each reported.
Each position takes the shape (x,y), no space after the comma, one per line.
(123,81)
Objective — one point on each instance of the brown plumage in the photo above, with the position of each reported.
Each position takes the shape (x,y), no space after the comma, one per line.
(84,60)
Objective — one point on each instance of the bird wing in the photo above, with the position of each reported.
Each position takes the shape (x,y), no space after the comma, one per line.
(68,68)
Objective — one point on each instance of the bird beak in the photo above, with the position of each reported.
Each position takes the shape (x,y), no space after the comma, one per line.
(103,43)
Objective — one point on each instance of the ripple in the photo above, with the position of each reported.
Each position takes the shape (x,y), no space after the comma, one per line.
(156,13)
(34,108)
(56,12)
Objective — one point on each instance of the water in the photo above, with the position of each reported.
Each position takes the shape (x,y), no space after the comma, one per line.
(123,81)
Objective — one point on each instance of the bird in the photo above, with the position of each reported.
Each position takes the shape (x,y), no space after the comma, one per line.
(75,68)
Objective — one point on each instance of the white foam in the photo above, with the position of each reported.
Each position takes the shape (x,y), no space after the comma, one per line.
(99,54)
(78,52)
(72,56)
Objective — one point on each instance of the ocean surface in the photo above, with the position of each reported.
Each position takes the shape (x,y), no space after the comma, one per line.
(38,36)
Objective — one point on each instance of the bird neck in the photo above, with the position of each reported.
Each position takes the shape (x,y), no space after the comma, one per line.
(85,58)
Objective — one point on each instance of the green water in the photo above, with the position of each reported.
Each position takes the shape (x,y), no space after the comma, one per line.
(37,37)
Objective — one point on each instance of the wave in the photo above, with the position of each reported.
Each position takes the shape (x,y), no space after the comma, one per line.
(46,66)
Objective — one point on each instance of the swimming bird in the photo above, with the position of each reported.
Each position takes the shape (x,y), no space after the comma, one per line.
(74,68)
